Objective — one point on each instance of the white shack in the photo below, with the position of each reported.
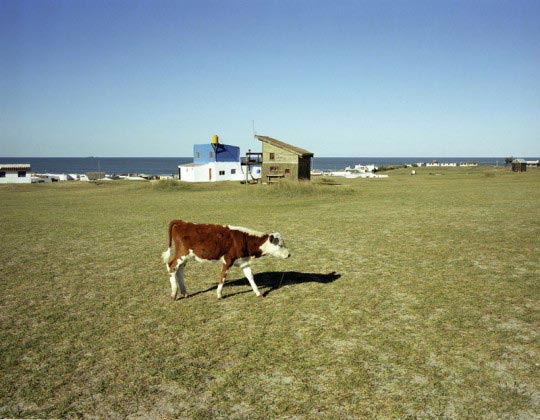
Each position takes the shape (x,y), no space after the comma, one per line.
(15,173)
(216,162)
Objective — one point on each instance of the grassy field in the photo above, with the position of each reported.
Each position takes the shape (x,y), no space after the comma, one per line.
(412,296)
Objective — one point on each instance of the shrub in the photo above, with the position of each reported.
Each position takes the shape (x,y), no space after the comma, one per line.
(389,168)
(171,185)
(289,188)
(325,181)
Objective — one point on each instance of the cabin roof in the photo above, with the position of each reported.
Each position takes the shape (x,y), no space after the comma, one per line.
(282,145)
(15,166)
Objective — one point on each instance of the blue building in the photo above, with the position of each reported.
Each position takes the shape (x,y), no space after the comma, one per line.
(216,162)
(217,152)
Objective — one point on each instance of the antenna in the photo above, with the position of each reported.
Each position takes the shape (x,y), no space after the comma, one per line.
(253,123)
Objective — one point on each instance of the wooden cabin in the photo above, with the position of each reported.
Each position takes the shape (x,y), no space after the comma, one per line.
(283,161)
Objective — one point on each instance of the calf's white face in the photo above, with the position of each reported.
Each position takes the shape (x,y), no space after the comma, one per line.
(275,246)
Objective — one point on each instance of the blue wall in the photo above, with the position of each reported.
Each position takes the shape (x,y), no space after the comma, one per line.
(224,153)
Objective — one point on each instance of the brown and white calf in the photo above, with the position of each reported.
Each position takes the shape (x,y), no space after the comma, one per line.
(231,245)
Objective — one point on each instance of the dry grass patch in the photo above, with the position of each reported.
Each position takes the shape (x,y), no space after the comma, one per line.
(416,296)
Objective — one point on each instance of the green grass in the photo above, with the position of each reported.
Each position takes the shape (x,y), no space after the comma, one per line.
(411,296)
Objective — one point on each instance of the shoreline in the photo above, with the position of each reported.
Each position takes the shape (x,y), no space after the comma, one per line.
(169,166)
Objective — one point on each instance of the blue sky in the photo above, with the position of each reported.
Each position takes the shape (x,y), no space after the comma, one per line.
(339,78)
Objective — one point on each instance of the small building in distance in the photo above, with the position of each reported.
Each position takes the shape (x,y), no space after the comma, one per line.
(282,160)
(519,165)
(94,176)
(214,162)
(15,173)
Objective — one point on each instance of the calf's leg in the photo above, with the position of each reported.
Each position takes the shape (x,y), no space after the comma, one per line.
(224,271)
(249,275)
(180,278)
(174,284)
(176,276)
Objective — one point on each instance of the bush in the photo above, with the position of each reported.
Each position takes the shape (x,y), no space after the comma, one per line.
(171,185)
(325,181)
(289,188)
(389,168)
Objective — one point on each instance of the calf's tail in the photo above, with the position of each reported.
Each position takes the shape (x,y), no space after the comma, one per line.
(167,254)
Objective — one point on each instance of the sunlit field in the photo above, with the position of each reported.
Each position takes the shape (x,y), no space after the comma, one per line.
(411,296)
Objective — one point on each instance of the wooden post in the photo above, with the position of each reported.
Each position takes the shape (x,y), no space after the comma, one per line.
(247,166)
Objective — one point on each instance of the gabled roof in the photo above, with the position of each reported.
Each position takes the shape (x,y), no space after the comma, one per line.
(277,143)
(15,166)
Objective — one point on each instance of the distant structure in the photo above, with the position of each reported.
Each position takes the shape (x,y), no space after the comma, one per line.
(519,165)
(15,173)
(94,176)
(282,160)
(214,162)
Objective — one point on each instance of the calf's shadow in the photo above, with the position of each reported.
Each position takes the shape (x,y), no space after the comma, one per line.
(273,280)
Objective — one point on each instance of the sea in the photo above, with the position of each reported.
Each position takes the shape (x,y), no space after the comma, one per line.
(169,165)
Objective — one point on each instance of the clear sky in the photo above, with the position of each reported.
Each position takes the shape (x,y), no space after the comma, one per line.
(339,78)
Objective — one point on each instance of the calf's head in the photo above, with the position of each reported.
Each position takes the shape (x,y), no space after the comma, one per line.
(275,246)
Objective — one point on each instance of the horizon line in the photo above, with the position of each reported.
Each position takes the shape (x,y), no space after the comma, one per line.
(323,157)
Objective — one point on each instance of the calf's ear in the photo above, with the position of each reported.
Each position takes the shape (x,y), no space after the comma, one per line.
(274,240)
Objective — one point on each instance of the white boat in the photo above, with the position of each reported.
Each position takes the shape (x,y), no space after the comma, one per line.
(362,168)
(358,171)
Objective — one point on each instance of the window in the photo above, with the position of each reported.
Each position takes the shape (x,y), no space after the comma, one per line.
(272,156)
(287,172)
(197,155)
(211,155)
(222,172)
(274,168)
(233,171)
(22,174)
(2,174)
